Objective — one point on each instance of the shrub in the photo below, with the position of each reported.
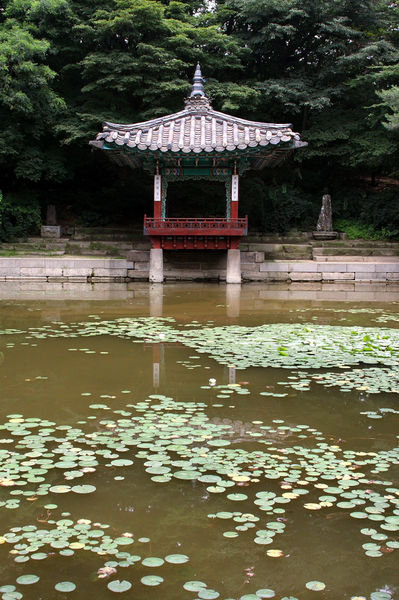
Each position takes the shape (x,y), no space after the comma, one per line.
(356,230)
(18,218)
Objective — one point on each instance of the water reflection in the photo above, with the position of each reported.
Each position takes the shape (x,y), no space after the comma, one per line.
(233,295)
(155,292)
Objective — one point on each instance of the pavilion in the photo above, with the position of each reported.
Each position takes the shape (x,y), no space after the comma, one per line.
(197,143)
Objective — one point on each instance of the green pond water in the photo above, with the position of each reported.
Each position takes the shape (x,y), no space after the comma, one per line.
(185,442)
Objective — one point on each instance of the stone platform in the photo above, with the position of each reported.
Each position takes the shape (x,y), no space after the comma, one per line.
(191,267)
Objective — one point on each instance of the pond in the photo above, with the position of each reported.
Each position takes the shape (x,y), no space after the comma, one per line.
(198,441)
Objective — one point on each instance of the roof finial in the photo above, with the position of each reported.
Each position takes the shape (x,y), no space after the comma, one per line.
(198,83)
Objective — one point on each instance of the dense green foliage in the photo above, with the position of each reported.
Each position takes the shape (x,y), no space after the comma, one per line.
(331,68)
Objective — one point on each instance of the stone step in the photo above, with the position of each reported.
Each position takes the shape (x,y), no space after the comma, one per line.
(279,251)
(354,258)
(353,244)
(107,233)
(356,251)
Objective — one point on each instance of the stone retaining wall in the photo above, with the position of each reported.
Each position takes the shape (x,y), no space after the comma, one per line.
(64,268)
(319,271)
(196,266)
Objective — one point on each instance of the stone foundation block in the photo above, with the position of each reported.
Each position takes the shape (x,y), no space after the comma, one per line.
(393,276)
(136,274)
(141,266)
(274,266)
(335,276)
(265,276)
(302,267)
(97,279)
(85,272)
(50,231)
(77,279)
(53,271)
(304,276)
(251,267)
(248,257)
(391,267)
(138,255)
(360,267)
(112,272)
(370,276)
(332,267)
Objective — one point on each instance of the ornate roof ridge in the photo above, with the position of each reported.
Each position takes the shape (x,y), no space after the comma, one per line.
(190,111)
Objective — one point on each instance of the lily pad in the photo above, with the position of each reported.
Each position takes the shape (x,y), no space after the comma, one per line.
(65,586)
(152,561)
(119,586)
(315,586)
(177,559)
(27,579)
(152,580)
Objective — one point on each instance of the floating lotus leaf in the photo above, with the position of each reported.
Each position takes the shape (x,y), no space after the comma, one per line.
(152,561)
(119,586)
(27,579)
(237,497)
(60,489)
(208,594)
(152,580)
(315,586)
(177,559)
(65,586)
(194,586)
(84,489)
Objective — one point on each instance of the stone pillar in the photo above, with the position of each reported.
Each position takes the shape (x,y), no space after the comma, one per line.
(156,265)
(233,273)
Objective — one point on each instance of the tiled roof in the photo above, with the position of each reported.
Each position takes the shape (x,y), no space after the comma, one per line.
(197,128)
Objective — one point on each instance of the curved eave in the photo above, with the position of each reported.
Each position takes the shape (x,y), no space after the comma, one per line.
(254,157)
(196,129)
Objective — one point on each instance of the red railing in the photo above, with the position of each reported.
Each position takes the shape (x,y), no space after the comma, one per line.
(199,226)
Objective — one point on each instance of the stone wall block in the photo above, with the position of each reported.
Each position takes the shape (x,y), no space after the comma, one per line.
(331,267)
(112,272)
(141,266)
(248,257)
(302,267)
(303,276)
(136,274)
(360,267)
(51,271)
(370,276)
(334,276)
(77,272)
(265,276)
(250,267)
(138,255)
(391,267)
(274,266)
